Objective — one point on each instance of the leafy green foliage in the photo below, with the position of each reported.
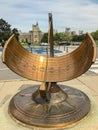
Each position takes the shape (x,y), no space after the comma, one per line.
(45,37)
(5,30)
(95,35)
(78,38)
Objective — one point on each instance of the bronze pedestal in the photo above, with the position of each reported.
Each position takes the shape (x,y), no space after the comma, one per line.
(66,106)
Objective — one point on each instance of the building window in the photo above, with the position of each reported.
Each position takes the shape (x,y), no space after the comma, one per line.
(35,36)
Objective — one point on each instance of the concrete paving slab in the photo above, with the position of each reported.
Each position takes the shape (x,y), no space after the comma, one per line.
(96,99)
(91,82)
(1,85)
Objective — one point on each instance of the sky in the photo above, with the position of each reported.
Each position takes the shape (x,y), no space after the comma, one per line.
(75,14)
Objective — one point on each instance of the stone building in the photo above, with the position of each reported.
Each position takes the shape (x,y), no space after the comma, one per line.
(33,36)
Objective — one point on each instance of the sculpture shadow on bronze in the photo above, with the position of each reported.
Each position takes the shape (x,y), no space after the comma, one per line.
(49,104)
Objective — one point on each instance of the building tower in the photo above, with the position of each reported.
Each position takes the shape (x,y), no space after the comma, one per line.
(37,35)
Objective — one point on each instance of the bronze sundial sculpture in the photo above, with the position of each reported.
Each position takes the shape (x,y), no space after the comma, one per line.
(49,105)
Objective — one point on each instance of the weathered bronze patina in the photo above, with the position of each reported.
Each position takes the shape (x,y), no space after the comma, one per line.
(66,106)
(49,105)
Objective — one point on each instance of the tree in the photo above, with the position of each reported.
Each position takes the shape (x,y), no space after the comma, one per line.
(5,30)
(45,38)
(56,37)
(78,38)
(95,35)
(75,38)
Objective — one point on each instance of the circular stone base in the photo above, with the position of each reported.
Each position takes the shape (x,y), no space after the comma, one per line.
(24,109)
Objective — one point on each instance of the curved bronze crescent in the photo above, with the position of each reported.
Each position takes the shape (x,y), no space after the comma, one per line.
(49,69)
